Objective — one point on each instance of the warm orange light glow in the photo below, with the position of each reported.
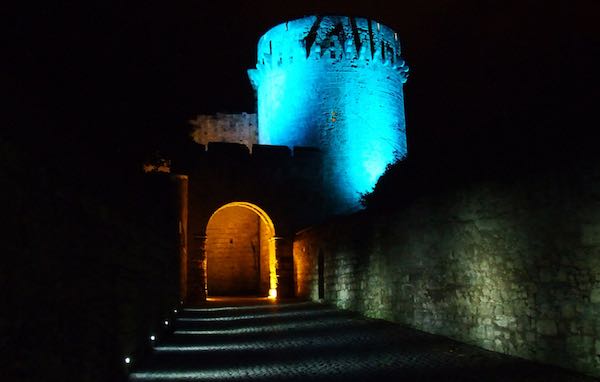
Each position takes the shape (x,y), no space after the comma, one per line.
(300,266)
(163,165)
(226,299)
(272,268)
(271,248)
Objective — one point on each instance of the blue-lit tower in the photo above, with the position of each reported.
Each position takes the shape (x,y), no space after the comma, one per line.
(335,83)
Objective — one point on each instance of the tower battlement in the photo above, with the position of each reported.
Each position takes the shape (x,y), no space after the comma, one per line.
(333,39)
(223,154)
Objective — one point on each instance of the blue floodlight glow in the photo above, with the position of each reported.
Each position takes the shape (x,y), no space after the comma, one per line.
(334,83)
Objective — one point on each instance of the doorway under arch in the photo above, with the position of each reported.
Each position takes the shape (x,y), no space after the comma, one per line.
(240,252)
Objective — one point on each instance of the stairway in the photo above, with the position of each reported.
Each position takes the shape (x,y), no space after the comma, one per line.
(262,340)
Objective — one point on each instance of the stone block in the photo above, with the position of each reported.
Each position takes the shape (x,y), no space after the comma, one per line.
(568,311)
(530,337)
(504,321)
(590,234)
(547,327)
(579,344)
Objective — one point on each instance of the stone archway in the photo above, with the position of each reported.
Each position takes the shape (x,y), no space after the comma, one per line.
(240,252)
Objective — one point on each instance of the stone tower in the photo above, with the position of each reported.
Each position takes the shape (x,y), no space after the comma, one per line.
(335,83)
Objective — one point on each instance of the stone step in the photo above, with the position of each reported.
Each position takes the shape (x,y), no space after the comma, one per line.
(255,321)
(229,311)
(183,338)
(314,342)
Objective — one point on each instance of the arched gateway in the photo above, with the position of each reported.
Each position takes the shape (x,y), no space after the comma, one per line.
(240,252)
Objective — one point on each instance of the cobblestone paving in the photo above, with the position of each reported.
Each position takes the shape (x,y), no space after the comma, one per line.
(258,340)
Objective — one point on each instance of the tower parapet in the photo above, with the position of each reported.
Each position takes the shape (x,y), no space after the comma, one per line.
(335,83)
(331,38)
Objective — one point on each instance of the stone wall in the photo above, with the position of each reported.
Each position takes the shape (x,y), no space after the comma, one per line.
(286,184)
(232,128)
(510,265)
(235,254)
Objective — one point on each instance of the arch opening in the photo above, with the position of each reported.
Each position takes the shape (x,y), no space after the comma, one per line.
(240,252)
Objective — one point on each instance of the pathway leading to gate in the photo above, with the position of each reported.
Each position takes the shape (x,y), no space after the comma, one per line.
(258,340)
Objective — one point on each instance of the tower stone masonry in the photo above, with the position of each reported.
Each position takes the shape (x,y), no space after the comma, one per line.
(335,83)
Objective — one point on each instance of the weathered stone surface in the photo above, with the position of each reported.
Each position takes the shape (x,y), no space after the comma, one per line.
(590,234)
(510,274)
(547,328)
(504,321)
(233,128)
(568,311)
(237,253)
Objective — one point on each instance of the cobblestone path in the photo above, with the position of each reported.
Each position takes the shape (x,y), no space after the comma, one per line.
(229,340)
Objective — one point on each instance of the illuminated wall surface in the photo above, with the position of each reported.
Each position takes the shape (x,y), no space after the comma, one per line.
(237,253)
(335,83)
(233,128)
(516,269)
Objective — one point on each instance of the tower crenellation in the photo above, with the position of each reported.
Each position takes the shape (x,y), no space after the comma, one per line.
(332,39)
(348,35)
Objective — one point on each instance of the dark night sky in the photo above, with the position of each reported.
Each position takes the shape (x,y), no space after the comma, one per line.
(98,85)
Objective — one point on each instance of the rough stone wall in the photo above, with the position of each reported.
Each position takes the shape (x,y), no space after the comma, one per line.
(232,128)
(233,252)
(512,266)
(305,252)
